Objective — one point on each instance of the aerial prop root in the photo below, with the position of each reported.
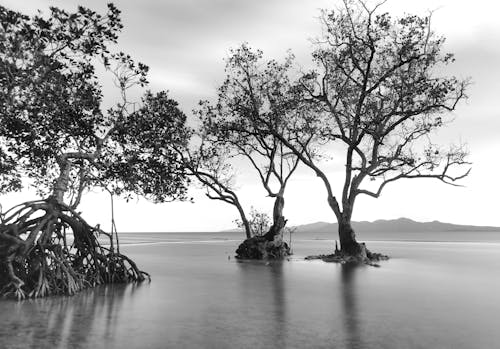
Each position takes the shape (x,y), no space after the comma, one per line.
(47,248)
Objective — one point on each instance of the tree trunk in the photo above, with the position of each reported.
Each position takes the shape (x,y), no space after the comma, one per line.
(271,244)
(348,243)
(244,220)
(61,183)
(279,221)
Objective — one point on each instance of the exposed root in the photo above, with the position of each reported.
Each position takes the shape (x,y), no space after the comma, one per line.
(46,248)
(258,247)
(364,257)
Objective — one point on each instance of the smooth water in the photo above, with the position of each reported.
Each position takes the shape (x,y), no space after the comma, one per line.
(429,295)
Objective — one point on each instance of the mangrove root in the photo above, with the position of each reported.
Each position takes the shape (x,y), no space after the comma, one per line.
(363,257)
(46,248)
(258,247)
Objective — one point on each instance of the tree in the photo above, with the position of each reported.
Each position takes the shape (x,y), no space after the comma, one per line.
(381,91)
(55,133)
(254,99)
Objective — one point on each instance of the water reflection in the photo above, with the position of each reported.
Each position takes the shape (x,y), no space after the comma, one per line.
(62,322)
(199,299)
(278,290)
(270,302)
(264,296)
(350,311)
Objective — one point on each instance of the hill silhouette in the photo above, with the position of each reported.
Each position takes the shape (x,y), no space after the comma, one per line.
(395,225)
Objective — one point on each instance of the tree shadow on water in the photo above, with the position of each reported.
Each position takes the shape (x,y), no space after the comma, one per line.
(84,320)
(350,311)
(263,291)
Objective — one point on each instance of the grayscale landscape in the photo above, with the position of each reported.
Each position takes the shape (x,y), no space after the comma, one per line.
(236,174)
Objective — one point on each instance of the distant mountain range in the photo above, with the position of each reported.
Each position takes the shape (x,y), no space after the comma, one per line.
(394,225)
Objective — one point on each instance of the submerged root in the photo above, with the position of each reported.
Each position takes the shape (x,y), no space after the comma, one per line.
(46,248)
(363,257)
(258,247)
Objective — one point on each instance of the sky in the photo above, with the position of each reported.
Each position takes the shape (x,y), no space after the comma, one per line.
(185,42)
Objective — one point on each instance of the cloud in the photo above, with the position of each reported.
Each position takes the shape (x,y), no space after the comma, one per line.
(185,42)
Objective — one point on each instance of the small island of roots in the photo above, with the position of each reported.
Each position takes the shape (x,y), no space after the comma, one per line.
(364,257)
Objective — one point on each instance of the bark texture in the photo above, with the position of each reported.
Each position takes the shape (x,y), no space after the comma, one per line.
(279,221)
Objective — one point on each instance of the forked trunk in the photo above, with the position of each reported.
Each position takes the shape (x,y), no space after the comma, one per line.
(279,221)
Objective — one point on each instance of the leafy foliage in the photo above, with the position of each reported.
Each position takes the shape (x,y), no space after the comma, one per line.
(260,222)
(54,130)
(255,102)
(378,84)
(49,92)
(255,98)
(143,156)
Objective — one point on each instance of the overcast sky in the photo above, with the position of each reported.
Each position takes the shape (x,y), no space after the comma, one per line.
(184,43)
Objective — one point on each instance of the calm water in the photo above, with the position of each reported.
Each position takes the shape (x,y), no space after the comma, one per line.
(429,295)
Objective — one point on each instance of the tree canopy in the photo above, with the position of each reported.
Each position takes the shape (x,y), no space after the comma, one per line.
(255,98)
(54,130)
(380,91)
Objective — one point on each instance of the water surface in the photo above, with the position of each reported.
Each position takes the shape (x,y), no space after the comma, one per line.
(429,295)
